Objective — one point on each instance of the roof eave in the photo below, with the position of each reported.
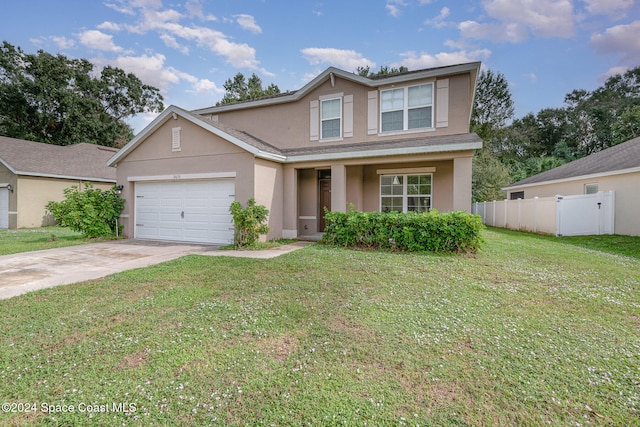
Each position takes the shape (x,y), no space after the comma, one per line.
(167,115)
(463,146)
(70,177)
(517,186)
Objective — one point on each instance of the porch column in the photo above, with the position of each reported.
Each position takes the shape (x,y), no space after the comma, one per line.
(462,170)
(339,188)
(290,203)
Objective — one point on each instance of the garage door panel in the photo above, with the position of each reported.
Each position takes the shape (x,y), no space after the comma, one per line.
(190,211)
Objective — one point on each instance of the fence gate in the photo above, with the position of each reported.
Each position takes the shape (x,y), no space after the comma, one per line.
(585,214)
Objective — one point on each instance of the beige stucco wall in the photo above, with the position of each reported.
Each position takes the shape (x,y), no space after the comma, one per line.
(33,193)
(201,153)
(626,187)
(267,122)
(268,192)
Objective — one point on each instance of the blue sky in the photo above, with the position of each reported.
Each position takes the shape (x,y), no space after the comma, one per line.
(188,48)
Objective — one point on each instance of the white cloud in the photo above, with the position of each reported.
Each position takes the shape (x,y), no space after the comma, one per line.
(608,7)
(413,61)
(171,42)
(513,33)
(167,22)
(440,20)
(543,18)
(63,42)
(248,22)
(622,40)
(194,8)
(95,39)
(109,26)
(348,60)
(514,20)
(393,7)
(148,68)
(532,77)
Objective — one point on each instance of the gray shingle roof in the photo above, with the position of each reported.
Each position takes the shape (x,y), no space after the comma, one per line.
(618,157)
(326,148)
(79,161)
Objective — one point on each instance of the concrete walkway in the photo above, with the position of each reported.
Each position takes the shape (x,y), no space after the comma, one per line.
(30,271)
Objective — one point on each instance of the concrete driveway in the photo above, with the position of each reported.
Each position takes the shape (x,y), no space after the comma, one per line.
(30,271)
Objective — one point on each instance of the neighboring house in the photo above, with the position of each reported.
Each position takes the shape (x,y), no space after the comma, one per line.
(614,169)
(33,173)
(395,142)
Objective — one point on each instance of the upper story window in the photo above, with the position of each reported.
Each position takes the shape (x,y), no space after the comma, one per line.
(331,118)
(406,108)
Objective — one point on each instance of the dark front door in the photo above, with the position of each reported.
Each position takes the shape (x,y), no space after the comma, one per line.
(324,200)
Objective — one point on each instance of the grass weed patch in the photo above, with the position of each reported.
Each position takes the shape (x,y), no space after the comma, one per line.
(528,331)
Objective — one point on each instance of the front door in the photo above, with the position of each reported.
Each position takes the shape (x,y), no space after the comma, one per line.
(324,193)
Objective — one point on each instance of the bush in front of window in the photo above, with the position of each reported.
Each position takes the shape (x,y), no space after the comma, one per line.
(416,232)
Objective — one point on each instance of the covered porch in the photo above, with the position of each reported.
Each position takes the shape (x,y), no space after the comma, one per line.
(439,181)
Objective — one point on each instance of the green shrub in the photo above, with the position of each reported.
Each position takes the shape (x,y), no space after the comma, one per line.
(249,223)
(411,231)
(92,212)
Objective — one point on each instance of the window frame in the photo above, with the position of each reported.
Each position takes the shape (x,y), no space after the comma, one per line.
(406,108)
(405,196)
(340,117)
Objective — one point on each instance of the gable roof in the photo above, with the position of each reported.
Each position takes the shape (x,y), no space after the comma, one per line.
(332,72)
(80,161)
(616,159)
(264,150)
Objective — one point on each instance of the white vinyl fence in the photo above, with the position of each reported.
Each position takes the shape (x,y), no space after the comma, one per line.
(578,215)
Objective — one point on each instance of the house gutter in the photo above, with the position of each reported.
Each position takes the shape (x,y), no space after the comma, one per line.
(573,178)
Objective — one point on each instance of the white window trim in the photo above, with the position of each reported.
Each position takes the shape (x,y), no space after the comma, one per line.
(340,117)
(405,110)
(405,196)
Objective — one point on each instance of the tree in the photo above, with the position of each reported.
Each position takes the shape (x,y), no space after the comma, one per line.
(488,177)
(492,111)
(384,70)
(239,89)
(492,105)
(54,99)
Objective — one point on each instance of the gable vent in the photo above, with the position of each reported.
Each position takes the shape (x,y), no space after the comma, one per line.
(175,139)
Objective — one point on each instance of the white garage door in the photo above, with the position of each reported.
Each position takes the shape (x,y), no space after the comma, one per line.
(4,208)
(185,211)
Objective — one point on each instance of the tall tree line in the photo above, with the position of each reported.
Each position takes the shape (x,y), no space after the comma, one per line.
(59,100)
(518,148)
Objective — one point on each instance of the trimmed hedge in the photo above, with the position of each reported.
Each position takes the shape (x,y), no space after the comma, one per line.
(436,232)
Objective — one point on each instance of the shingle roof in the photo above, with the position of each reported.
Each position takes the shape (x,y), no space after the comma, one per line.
(359,147)
(618,157)
(79,161)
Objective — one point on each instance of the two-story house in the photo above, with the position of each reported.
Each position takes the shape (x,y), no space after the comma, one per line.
(391,142)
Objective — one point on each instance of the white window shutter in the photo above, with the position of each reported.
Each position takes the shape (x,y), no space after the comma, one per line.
(175,139)
(372,112)
(442,103)
(348,116)
(314,120)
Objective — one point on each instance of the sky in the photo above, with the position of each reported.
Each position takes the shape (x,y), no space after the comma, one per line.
(189,48)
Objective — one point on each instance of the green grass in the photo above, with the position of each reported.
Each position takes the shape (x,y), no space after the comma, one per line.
(530,331)
(25,240)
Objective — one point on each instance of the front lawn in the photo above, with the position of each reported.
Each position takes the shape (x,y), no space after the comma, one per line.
(530,331)
(25,240)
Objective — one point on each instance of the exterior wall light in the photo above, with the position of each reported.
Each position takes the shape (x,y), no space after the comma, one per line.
(10,188)
(119,189)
